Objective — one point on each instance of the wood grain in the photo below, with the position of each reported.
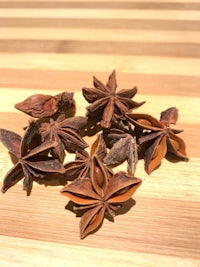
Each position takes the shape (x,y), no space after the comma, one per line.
(51,46)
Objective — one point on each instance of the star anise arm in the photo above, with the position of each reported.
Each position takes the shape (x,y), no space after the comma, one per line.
(46,164)
(99,147)
(42,162)
(11,141)
(46,146)
(31,138)
(169,116)
(144,121)
(130,104)
(29,176)
(155,153)
(77,122)
(13,176)
(112,83)
(177,146)
(121,187)
(99,85)
(93,94)
(99,176)
(132,157)
(71,139)
(80,191)
(127,93)
(108,113)
(91,220)
(75,169)
(97,105)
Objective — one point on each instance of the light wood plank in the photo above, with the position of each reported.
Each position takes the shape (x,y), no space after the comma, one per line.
(100,14)
(100,4)
(145,1)
(77,62)
(170,226)
(52,254)
(67,80)
(151,36)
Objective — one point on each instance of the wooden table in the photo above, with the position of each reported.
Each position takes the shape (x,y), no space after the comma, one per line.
(51,46)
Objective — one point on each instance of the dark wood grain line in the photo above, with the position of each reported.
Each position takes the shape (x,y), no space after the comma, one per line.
(101,47)
(99,5)
(53,79)
(172,25)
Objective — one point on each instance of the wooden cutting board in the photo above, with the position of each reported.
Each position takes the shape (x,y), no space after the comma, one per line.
(51,46)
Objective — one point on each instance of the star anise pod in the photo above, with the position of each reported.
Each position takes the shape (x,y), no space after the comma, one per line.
(124,149)
(107,104)
(40,106)
(99,195)
(66,134)
(33,161)
(159,138)
(83,163)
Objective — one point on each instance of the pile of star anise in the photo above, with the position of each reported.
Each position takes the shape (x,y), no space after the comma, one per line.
(90,182)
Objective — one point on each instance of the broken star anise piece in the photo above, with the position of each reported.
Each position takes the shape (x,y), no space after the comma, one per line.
(124,149)
(40,106)
(107,104)
(99,197)
(33,161)
(83,163)
(158,138)
(65,132)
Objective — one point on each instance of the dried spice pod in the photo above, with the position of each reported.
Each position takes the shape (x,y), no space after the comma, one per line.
(169,116)
(33,161)
(82,166)
(124,149)
(40,106)
(107,104)
(100,197)
(65,132)
(159,140)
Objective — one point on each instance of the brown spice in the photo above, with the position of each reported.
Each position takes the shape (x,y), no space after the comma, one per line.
(40,106)
(66,134)
(124,149)
(33,161)
(100,198)
(82,166)
(107,104)
(159,139)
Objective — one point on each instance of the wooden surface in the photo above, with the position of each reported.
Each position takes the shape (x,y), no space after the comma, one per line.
(51,46)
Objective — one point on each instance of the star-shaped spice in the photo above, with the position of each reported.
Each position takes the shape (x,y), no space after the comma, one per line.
(33,161)
(100,195)
(159,139)
(40,106)
(66,134)
(107,104)
(82,165)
